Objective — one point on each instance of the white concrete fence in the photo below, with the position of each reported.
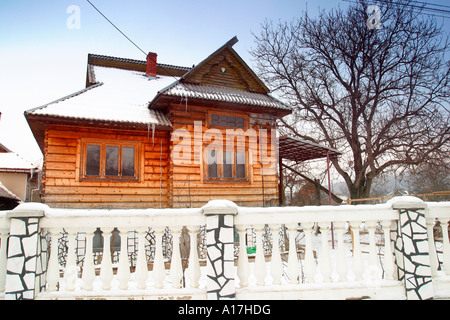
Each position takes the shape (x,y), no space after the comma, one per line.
(397,250)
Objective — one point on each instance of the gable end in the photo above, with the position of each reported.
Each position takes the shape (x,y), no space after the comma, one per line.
(225,68)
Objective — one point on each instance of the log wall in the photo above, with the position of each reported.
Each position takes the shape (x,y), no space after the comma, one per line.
(190,188)
(62,186)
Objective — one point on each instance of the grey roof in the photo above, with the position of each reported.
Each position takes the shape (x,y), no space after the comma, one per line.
(140,62)
(299,150)
(223,94)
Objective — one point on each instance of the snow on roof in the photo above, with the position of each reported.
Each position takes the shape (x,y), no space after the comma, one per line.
(224,94)
(11,161)
(119,96)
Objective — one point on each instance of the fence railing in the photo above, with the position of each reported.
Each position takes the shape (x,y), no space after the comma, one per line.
(248,253)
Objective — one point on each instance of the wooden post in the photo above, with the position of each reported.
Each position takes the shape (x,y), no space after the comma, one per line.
(280,185)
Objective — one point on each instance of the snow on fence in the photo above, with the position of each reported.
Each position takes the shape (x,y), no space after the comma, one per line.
(397,250)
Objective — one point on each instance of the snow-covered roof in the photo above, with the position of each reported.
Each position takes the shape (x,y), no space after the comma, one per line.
(224,94)
(119,96)
(12,162)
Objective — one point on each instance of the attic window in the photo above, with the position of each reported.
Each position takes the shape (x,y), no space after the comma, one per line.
(105,159)
(227,121)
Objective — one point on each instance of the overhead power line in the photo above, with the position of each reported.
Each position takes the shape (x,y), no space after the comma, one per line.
(430,4)
(116,27)
(418,7)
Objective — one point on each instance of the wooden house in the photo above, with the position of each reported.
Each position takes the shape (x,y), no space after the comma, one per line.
(149,135)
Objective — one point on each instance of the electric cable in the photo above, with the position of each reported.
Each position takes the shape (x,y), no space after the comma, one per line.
(422,8)
(116,27)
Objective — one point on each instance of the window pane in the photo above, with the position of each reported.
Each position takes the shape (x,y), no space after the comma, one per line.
(127,162)
(112,161)
(223,120)
(93,160)
(227,167)
(212,163)
(239,122)
(240,164)
(214,119)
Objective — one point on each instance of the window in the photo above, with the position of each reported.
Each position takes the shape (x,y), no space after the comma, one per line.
(109,160)
(226,121)
(226,165)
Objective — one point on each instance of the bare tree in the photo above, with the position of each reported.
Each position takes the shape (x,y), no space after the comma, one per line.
(379,95)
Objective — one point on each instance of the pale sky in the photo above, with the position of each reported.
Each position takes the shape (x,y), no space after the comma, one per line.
(44,43)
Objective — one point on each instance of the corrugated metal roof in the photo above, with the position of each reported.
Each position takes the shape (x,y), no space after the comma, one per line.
(300,150)
(140,62)
(224,94)
(122,98)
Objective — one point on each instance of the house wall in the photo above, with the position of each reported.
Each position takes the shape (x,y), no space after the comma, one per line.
(63,187)
(165,183)
(188,187)
(16,183)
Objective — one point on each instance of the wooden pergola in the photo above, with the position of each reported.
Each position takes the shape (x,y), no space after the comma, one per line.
(300,150)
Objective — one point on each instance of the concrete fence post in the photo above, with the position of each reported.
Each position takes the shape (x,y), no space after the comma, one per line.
(220,249)
(412,248)
(24,261)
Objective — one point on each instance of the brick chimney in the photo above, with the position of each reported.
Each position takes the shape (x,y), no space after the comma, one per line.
(151,64)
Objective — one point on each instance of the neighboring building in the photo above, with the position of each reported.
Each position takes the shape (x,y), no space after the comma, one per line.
(19,179)
(143,134)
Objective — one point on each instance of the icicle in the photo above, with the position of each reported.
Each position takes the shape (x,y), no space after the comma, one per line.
(153,133)
(181,101)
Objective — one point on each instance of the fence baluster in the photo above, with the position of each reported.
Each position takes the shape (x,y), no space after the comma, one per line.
(159,271)
(446,245)
(434,263)
(341,263)
(357,258)
(88,266)
(325,265)
(260,262)
(310,265)
(53,263)
(106,272)
(293,265)
(373,261)
(194,264)
(389,265)
(123,272)
(141,272)
(71,271)
(243,265)
(276,265)
(176,269)
(3,239)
